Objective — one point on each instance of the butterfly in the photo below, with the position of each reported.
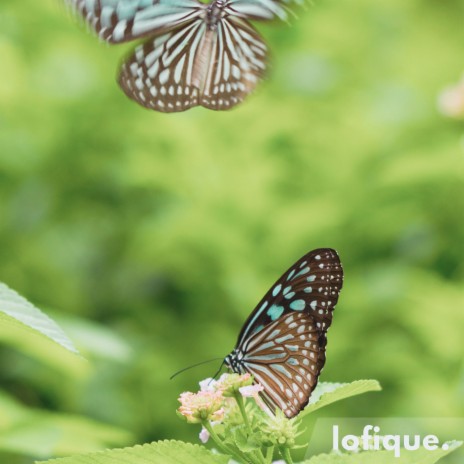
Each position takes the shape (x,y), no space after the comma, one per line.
(196,53)
(282,343)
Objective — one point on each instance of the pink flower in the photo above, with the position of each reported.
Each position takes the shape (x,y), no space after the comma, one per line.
(204,435)
(251,391)
(201,406)
(451,100)
(208,384)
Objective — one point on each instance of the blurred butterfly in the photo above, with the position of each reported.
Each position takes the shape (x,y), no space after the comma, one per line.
(282,343)
(196,54)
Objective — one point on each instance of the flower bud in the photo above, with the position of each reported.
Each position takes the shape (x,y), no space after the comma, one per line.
(280,430)
(230,384)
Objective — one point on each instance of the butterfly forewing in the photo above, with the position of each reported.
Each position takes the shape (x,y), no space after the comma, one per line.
(258,9)
(311,286)
(122,20)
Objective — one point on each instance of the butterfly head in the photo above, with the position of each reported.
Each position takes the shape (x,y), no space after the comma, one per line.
(215,12)
(234,361)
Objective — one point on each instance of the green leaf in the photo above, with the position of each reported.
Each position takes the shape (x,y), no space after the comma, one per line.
(420,456)
(246,443)
(17,311)
(95,340)
(164,452)
(328,393)
(43,434)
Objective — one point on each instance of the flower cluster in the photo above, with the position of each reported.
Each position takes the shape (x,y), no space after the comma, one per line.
(201,406)
(228,384)
(232,413)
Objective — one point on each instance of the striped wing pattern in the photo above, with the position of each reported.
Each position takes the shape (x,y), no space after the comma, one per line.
(196,54)
(191,66)
(283,358)
(159,74)
(117,21)
(260,9)
(237,63)
(298,306)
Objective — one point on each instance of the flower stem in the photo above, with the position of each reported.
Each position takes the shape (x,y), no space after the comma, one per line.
(269,455)
(224,448)
(286,455)
(241,406)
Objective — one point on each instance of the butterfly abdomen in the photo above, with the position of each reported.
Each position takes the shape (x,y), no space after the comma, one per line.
(201,61)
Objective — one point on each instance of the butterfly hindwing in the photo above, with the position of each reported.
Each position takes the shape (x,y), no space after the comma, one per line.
(159,74)
(237,64)
(283,358)
(192,66)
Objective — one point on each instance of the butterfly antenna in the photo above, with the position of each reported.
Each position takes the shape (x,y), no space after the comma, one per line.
(195,365)
(219,370)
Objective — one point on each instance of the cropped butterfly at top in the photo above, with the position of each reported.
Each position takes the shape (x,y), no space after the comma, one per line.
(282,343)
(197,54)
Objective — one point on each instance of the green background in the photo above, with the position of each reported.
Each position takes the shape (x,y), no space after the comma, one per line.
(151,237)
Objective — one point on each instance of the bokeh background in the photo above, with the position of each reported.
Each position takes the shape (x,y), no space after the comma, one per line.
(151,237)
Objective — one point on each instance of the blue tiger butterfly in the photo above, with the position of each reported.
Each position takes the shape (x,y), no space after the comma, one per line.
(282,343)
(196,53)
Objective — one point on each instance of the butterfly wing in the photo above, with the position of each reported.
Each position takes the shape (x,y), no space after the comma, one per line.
(237,63)
(159,74)
(311,286)
(194,65)
(284,359)
(260,9)
(122,20)
(282,344)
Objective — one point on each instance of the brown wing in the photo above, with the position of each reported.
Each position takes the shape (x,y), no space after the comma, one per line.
(284,358)
(312,286)
(159,74)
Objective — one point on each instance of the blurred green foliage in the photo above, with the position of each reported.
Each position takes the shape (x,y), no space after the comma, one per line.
(151,237)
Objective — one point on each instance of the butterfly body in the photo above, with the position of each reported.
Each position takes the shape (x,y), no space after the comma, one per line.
(283,342)
(195,53)
(215,12)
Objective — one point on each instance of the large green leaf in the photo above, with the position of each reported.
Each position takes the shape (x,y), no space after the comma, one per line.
(328,393)
(43,434)
(421,456)
(18,309)
(164,452)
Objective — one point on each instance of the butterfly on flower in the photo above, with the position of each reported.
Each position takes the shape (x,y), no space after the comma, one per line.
(195,54)
(282,343)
